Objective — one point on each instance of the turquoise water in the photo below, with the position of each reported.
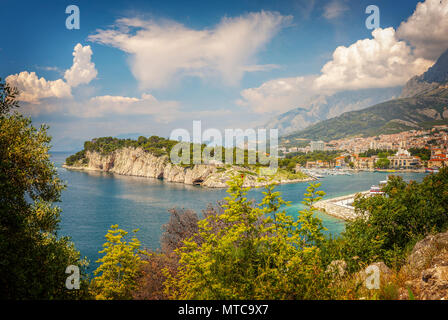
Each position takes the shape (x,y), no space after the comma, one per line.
(94,201)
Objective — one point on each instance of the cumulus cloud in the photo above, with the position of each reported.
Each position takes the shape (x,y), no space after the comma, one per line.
(278,95)
(83,69)
(335,9)
(161,52)
(389,59)
(380,62)
(32,88)
(427,29)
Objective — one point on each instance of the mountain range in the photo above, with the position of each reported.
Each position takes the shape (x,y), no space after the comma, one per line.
(322,107)
(423,102)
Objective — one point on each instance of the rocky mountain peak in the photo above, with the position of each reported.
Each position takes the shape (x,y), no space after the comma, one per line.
(430,80)
(439,71)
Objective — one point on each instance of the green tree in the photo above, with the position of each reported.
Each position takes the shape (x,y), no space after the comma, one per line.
(259,252)
(33,259)
(8,96)
(423,153)
(382,163)
(120,266)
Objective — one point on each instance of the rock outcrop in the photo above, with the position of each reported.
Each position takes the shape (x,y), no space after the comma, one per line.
(427,268)
(433,78)
(137,162)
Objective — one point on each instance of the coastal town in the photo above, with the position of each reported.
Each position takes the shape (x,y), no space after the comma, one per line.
(416,150)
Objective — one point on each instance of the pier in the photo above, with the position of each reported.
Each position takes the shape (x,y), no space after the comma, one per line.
(340,207)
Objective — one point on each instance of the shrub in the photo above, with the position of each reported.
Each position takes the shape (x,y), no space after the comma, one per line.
(258,252)
(120,266)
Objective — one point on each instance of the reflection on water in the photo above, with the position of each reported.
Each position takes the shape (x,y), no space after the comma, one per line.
(93,201)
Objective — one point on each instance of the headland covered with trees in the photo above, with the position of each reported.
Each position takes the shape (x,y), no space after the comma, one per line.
(203,165)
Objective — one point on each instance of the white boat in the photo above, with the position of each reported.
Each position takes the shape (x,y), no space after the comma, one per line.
(375,190)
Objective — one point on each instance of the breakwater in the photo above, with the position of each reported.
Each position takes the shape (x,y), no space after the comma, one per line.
(339,207)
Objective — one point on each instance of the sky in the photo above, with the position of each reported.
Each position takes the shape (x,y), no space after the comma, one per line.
(149,67)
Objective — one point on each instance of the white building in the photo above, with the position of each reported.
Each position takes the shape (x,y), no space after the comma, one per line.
(317,146)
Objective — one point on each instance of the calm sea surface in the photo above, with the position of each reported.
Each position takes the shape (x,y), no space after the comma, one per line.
(94,201)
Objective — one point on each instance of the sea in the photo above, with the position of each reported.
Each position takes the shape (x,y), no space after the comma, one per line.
(93,201)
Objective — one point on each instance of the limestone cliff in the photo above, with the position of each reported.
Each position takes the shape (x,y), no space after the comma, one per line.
(137,162)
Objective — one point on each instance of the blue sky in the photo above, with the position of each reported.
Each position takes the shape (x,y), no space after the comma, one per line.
(228,73)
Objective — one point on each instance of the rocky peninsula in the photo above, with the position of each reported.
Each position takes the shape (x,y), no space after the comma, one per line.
(135,161)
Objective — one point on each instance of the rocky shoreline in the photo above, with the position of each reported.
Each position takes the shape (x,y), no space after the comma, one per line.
(137,162)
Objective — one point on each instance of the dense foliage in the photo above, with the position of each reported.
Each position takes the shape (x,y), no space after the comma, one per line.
(259,252)
(183,225)
(382,163)
(382,153)
(159,147)
(75,158)
(423,153)
(156,145)
(8,96)
(33,259)
(120,266)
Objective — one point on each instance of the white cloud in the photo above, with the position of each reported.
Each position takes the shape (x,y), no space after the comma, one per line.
(335,9)
(278,95)
(32,88)
(427,29)
(163,111)
(83,70)
(161,52)
(380,62)
(389,59)
(110,106)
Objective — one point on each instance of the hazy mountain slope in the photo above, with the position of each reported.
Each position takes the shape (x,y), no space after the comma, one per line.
(326,107)
(388,117)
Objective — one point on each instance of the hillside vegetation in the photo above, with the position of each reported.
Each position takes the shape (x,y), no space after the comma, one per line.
(386,118)
(106,145)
